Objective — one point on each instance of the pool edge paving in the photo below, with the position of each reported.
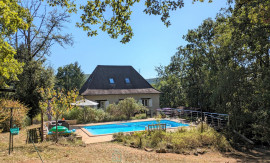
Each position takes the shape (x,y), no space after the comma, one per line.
(88,138)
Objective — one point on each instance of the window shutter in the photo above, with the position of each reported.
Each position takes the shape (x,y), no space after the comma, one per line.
(106,104)
(150,102)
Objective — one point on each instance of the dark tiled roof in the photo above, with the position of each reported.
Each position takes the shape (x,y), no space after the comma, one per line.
(98,82)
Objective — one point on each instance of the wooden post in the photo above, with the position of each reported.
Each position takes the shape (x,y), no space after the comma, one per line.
(10,125)
(42,124)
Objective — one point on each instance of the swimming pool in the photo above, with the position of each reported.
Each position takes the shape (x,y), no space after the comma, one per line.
(128,127)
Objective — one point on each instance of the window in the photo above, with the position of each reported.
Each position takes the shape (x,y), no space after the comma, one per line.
(148,102)
(101,103)
(127,80)
(111,81)
(145,102)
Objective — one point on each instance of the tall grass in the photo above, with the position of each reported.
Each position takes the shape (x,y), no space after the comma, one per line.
(184,138)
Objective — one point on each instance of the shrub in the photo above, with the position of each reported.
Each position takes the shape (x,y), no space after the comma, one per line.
(118,136)
(113,110)
(87,114)
(73,114)
(129,107)
(125,109)
(180,140)
(19,114)
(139,116)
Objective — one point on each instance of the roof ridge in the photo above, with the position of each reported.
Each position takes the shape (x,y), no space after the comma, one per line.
(114,66)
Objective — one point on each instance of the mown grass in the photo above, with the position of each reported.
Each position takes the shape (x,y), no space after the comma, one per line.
(184,138)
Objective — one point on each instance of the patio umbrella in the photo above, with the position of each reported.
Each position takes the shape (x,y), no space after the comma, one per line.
(84,103)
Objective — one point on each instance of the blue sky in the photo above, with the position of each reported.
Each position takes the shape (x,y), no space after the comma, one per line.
(152,45)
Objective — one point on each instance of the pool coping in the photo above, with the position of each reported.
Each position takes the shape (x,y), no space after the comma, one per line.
(89,134)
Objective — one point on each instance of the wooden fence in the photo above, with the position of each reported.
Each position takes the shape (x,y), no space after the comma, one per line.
(34,135)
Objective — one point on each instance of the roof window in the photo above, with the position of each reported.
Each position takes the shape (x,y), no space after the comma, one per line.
(127,80)
(111,81)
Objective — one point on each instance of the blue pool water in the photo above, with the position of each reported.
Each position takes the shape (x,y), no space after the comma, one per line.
(128,127)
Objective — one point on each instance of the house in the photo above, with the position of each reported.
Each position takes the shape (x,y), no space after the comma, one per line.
(111,84)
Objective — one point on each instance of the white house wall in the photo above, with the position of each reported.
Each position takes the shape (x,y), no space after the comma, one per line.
(115,99)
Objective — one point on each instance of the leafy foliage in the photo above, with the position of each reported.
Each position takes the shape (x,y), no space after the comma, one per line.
(127,107)
(12,18)
(95,13)
(34,76)
(88,114)
(181,140)
(225,68)
(59,102)
(124,111)
(19,113)
(70,77)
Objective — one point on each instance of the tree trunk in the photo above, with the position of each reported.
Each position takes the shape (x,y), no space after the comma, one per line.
(42,124)
(56,141)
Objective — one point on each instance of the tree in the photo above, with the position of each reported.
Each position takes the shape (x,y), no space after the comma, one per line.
(59,102)
(43,32)
(34,44)
(95,12)
(225,68)
(12,18)
(129,107)
(70,77)
(119,11)
(35,75)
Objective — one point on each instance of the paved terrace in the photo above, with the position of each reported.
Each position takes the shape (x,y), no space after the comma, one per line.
(88,138)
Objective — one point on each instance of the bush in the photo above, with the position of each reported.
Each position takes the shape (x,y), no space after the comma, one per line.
(73,114)
(129,107)
(185,138)
(139,116)
(87,114)
(113,110)
(126,109)
(123,111)
(19,114)
(118,136)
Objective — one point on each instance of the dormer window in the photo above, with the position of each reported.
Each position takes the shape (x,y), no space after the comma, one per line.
(127,80)
(111,81)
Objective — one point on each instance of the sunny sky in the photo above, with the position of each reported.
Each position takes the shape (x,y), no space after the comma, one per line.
(153,43)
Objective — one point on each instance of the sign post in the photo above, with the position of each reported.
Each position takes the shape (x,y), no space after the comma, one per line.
(11,117)
(10,135)
(12,131)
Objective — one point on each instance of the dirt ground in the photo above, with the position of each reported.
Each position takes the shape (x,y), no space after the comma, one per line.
(111,152)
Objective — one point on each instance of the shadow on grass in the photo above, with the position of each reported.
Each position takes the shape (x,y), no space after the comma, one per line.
(254,155)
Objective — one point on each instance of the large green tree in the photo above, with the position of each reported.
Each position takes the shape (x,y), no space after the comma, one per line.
(34,76)
(225,68)
(70,77)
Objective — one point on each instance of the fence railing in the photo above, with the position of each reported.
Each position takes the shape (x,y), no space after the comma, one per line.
(34,135)
(154,127)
